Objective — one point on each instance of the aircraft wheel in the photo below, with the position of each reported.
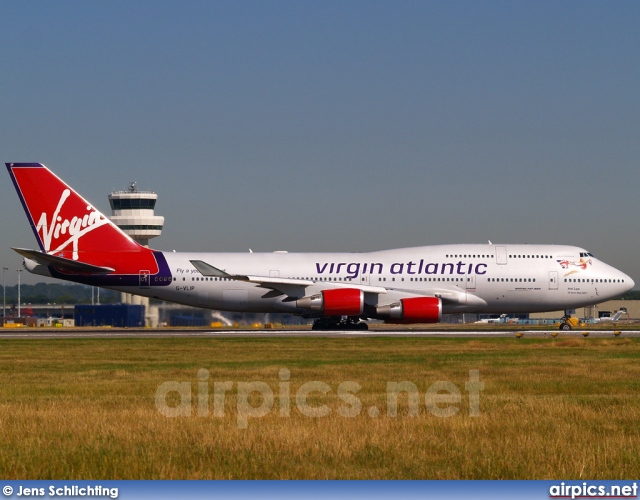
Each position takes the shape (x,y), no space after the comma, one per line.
(362,326)
(565,326)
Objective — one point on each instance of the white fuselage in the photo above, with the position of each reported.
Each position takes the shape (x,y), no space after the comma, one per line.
(469,278)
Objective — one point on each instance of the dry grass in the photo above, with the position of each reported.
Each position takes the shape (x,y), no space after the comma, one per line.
(79,409)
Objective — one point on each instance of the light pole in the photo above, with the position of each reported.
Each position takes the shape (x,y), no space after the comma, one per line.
(19,271)
(4,296)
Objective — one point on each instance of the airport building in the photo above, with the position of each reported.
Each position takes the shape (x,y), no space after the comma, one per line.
(628,309)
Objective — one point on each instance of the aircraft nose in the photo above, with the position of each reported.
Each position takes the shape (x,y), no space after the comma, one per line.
(629,282)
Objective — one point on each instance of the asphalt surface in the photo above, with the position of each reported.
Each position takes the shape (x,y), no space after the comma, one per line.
(31,333)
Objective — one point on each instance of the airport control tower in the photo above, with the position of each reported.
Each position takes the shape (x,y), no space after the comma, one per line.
(133,212)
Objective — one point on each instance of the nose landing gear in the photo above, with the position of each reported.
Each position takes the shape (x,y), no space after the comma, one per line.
(568,323)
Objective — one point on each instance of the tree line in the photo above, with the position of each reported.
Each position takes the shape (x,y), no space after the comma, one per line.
(49,293)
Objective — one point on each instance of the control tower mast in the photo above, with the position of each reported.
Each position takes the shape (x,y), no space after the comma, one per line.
(133,212)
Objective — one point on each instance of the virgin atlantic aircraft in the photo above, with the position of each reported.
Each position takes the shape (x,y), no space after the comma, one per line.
(340,290)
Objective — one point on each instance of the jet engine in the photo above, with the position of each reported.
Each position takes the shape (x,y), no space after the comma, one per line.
(335,302)
(412,310)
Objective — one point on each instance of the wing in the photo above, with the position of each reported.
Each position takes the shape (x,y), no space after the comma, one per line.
(289,286)
(292,287)
(329,298)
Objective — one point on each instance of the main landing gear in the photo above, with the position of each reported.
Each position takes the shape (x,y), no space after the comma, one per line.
(336,323)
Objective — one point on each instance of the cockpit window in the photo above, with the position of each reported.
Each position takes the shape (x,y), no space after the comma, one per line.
(586,254)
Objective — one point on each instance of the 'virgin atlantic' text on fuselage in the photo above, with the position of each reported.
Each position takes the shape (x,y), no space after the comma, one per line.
(354,269)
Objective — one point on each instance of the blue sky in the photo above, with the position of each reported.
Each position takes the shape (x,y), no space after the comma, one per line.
(334,126)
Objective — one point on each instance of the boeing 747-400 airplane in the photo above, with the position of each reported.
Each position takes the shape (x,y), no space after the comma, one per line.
(405,285)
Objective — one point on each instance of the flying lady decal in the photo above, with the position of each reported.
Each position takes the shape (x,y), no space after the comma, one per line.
(567,264)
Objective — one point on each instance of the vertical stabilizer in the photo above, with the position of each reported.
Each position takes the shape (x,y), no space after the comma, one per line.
(68,226)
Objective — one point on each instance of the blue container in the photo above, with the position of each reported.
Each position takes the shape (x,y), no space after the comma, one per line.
(187,320)
(116,315)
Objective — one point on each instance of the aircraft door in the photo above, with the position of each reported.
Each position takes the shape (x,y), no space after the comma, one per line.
(365,279)
(471,281)
(501,255)
(144,279)
(553,280)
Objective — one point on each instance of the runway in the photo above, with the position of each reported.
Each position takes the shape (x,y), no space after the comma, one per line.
(84,333)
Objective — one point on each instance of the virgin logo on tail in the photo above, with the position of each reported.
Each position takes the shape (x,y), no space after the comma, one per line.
(75,228)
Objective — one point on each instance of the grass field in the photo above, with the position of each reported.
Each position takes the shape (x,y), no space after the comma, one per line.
(86,409)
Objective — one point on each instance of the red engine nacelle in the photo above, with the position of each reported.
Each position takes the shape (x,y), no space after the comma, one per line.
(413,310)
(335,302)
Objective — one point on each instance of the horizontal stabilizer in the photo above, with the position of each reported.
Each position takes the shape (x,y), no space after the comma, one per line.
(69,265)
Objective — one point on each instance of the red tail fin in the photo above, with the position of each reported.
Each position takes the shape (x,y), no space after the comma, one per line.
(68,226)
